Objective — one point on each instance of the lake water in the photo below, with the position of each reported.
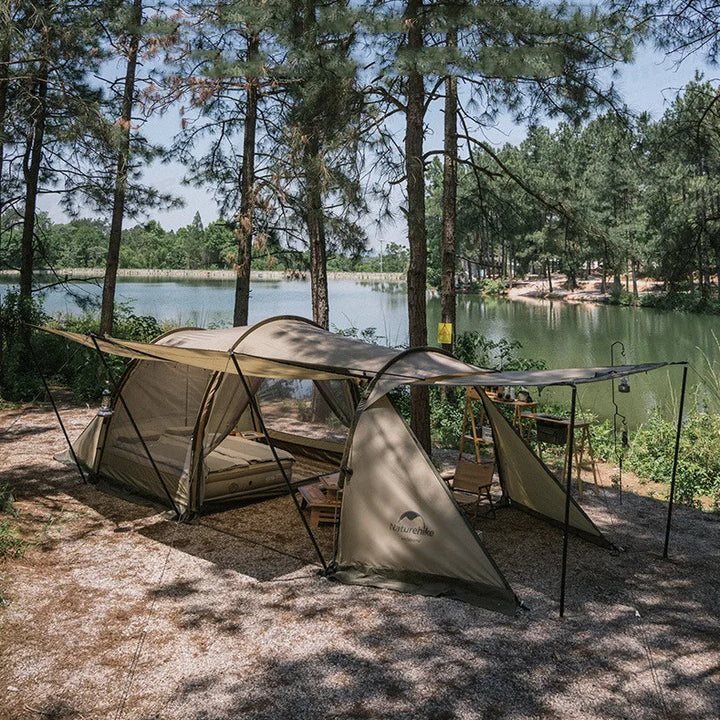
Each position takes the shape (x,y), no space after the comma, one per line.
(561,334)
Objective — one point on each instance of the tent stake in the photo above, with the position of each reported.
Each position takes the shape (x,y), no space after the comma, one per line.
(675,462)
(135,427)
(57,412)
(568,487)
(256,409)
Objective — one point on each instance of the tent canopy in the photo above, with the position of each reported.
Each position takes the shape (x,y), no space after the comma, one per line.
(295,348)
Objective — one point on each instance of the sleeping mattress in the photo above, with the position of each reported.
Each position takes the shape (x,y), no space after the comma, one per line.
(236,468)
(244,468)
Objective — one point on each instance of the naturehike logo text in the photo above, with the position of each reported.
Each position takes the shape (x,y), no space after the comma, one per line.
(411,527)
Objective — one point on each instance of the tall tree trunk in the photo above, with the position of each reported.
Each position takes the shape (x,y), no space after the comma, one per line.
(5,31)
(31,172)
(617,280)
(107,310)
(449,204)
(548,270)
(316,235)
(417,238)
(244,232)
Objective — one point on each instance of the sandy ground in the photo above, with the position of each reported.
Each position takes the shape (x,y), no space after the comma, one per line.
(587,290)
(117,612)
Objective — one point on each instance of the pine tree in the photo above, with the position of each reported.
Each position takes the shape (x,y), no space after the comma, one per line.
(133,31)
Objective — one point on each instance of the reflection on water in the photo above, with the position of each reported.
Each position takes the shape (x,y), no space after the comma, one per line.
(561,334)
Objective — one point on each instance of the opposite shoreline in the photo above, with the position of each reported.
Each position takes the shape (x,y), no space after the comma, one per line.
(531,289)
(220,275)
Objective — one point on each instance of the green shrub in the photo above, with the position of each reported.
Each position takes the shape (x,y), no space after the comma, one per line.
(493,287)
(81,369)
(476,349)
(681,302)
(18,377)
(698,471)
(62,361)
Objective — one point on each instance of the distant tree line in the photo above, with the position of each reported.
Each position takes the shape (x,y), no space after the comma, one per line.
(617,196)
(591,197)
(82,243)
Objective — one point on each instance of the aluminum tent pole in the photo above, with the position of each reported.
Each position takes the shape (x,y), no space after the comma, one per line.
(568,487)
(136,429)
(57,412)
(675,462)
(263,428)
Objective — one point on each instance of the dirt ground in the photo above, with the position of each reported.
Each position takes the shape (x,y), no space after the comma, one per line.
(117,612)
(589,290)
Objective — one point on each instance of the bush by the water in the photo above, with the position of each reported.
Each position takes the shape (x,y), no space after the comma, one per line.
(446,406)
(62,361)
(689,302)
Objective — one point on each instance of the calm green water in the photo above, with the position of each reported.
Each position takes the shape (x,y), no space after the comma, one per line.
(561,334)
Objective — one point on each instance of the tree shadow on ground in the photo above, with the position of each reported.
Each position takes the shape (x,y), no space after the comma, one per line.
(641,637)
(435,658)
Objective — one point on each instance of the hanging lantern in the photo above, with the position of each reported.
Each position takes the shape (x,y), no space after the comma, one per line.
(624,385)
(105,409)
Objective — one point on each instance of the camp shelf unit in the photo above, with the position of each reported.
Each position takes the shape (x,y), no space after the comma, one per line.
(321,500)
(554,430)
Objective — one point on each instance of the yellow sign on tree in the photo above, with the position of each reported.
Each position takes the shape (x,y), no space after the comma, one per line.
(445,333)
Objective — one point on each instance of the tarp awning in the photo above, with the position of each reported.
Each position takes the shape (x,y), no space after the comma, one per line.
(284,348)
(293,348)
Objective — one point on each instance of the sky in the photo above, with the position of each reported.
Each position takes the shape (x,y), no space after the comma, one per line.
(649,84)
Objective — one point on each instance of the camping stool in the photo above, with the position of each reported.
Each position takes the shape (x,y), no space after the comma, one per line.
(475,479)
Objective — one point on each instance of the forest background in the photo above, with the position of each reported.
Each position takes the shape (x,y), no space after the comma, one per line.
(303,117)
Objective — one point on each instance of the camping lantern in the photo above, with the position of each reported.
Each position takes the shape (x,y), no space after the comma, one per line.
(105,409)
(624,385)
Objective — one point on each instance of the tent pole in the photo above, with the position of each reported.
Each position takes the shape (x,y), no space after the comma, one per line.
(675,462)
(568,487)
(135,427)
(263,428)
(57,412)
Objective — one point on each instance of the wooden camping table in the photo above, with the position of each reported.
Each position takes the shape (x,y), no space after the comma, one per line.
(518,410)
(321,500)
(582,440)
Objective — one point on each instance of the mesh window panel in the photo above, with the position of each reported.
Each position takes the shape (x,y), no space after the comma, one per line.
(300,408)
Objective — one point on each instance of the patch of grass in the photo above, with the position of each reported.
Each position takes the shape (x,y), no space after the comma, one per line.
(11,546)
(7,499)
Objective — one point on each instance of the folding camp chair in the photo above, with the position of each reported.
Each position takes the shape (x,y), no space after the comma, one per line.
(472,483)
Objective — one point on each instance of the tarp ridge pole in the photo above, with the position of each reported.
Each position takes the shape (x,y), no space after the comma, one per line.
(55,409)
(136,428)
(675,464)
(263,428)
(568,487)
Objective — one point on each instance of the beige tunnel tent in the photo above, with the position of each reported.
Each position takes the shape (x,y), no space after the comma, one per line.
(169,438)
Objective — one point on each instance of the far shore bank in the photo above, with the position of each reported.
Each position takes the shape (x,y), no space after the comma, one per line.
(530,289)
(222,275)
